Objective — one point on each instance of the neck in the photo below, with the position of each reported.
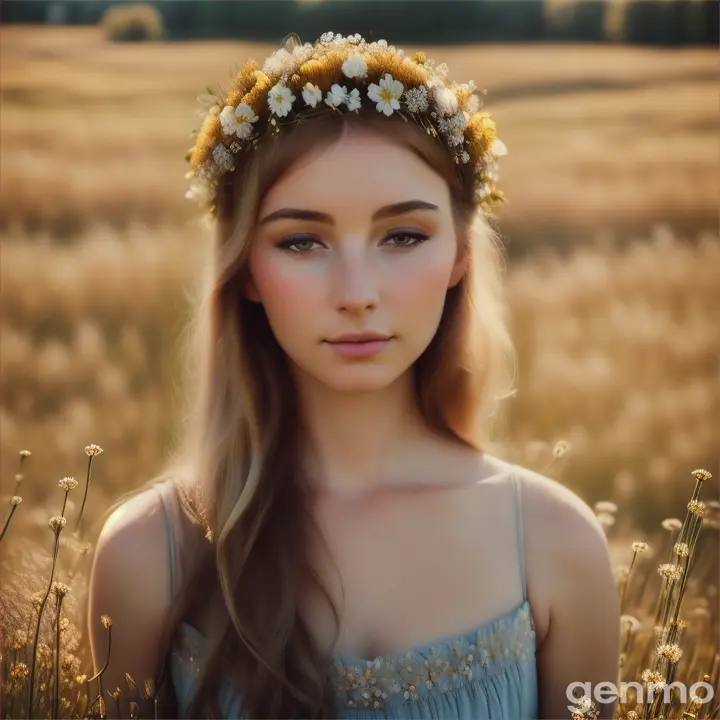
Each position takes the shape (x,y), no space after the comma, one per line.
(359,442)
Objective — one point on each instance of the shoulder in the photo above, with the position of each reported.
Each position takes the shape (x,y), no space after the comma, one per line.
(130,577)
(568,562)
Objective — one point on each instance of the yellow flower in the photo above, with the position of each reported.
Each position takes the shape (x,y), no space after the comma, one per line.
(671,652)
(257,97)
(702,475)
(682,549)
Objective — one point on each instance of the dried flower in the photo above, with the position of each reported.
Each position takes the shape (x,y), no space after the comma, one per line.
(562,447)
(15,500)
(670,571)
(640,547)
(682,549)
(701,475)
(57,523)
(697,507)
(25,454)
(93,450)
(106,621)
(60,590)
(19,671)
(606,520)
(671,524)
(654,677)
(67,483)
(671,652)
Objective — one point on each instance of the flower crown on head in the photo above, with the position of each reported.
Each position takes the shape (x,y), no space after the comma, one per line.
(342,74)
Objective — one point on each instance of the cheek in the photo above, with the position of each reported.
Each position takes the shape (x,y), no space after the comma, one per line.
(424,284)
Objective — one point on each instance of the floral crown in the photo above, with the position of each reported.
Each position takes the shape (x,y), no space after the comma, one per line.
(342,74)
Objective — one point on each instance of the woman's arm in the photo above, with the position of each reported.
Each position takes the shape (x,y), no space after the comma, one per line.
(129,583)
(569,569)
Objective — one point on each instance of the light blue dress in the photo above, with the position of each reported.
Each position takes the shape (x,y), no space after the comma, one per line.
(486,673)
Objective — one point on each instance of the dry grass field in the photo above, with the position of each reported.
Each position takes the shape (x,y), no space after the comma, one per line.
(613,155)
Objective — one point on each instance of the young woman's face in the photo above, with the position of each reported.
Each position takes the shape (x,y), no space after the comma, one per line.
(354,252)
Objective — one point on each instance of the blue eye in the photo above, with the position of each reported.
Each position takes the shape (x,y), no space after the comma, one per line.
(406,239)
(298,243)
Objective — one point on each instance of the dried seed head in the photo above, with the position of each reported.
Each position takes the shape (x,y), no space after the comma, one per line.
(64,624)
(671,524)
(670,571)
(640,547)
(671,652)
(93,450)
(59,589)
(697,507)
(562,447)
(68,483)
(81,679)
(19,640)
(605,519)
(654,677)
(57,523)
(701,475)
(25,453)
(106,621)
(605,506)
(682,549)
(37,599)
(15,500)
(19,671)
(681,624)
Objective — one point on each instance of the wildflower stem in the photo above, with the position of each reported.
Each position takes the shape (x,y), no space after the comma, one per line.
(87,485)
(57,689)
(7,522)
(38,624)
(98,675)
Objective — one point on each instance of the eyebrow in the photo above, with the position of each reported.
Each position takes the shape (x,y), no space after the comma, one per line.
(383,213)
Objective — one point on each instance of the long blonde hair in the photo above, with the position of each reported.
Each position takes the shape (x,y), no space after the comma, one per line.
(239,458)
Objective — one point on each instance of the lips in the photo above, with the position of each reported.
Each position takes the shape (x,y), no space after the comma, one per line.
(359,346)
(359,338)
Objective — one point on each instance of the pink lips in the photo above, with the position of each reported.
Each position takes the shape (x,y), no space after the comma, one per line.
(359,346)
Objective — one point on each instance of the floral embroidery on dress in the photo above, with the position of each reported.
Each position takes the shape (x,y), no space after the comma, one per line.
(445,666)
(405,677)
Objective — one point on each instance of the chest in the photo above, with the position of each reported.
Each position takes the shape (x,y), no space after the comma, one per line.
(404,573)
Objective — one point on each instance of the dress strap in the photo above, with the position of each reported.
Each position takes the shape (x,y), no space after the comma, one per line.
(519,530)
(164,490)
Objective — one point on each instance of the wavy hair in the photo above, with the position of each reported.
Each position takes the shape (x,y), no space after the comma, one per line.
(238,463)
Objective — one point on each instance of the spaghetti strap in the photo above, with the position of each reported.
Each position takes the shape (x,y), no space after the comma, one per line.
(164,488)
(519,531)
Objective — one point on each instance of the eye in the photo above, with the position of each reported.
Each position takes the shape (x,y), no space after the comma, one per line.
(406,238)
(298,243)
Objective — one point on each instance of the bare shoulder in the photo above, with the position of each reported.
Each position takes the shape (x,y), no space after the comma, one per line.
(566,547)
(130,583)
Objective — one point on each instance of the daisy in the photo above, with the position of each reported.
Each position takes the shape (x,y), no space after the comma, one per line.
(280,100)
(312,94)
(387,94)
(238,121)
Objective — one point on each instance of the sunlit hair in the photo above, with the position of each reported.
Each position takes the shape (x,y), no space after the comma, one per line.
(239,461)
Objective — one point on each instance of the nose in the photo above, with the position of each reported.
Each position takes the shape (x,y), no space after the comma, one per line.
(355,282)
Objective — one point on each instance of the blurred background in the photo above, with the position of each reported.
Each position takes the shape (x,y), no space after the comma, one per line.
(609,109)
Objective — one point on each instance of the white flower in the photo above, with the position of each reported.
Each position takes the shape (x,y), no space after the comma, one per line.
(302,53)
(280,100)
(355,39)
(312,94)
(355,66)
(353,100)
(237,121)
(277,62)
(445,100)
(416,99)
(442,70)
(387,94)
(336,95)
(327,37)
(223,157)
(453,128)
(498,148)
(473,104)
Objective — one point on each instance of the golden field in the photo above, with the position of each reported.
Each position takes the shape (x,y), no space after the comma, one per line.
(617,336)
(617,341)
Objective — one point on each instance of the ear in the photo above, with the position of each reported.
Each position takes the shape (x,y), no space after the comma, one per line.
(460,265)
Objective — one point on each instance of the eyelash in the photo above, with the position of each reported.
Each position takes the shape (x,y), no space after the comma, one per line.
(418,237)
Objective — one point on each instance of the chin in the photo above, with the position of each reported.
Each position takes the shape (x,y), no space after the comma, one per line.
(358,378)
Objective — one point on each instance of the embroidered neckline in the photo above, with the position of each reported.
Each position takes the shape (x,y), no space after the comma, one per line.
(441,665)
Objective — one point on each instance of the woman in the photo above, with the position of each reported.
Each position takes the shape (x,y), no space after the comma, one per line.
(334,538)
